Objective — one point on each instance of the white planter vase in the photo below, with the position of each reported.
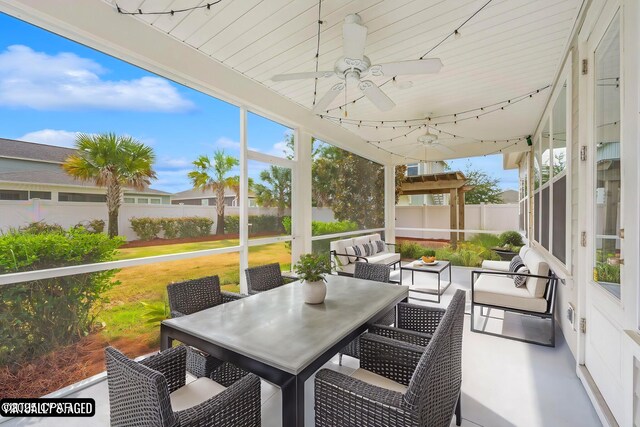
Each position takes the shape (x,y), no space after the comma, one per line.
(314,292)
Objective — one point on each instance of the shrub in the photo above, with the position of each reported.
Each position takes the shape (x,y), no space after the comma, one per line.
(146,228)
(170,228)
(511,238)
(413,250)
(485,240)
(318,228)
(92,226)
(231,224)
(41,227)
(38,316)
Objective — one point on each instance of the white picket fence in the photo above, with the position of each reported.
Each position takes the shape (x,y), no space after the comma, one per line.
(14,214)
(476,217)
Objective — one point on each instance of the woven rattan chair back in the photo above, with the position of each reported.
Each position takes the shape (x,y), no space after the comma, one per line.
(368,271)
(194,295)
(435,385)
(264,278)
(138,395)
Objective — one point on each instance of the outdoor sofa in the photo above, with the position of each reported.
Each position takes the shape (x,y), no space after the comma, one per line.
(370,248)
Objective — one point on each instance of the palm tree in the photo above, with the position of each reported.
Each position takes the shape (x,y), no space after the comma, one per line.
(234,185)
(208,174)
(277,191)
(113,162)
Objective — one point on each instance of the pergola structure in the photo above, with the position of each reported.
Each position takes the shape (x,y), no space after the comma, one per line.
(452,183)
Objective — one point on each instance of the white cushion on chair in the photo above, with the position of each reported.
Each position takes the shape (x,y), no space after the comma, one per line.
(538,266)
(495,265)
(362,240)
(384,258)
(499,290)
(195,393)
(378,380)
(340,247)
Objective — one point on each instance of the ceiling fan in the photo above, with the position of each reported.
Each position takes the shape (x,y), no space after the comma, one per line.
(429,140)
(354,65)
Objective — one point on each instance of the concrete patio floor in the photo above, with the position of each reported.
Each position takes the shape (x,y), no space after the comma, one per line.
(505,383)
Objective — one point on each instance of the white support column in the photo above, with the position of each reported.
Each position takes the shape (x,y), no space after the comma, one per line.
(301,210)
(244,202)
(390,203)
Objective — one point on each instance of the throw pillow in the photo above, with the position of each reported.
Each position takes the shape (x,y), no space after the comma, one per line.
(520,281)
(380,246)
(359,251)
(369,249)
(351,252)
(516,262)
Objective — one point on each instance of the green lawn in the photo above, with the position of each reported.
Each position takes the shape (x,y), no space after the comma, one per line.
(125,317)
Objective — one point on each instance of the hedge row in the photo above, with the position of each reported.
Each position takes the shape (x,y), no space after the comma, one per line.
(39,316)
(147,228)
(259,223)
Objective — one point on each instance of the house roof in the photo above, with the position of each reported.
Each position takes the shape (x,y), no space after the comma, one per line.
(49,177)
(32,151)
(196,193)
(11,148)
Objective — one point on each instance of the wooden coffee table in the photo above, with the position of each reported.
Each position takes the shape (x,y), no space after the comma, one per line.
(436,269)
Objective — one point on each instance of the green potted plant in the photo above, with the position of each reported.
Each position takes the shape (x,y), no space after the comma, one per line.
(311,269)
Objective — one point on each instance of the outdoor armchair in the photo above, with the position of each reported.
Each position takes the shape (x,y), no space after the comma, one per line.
(265,277)
(189,297)
(398,384)
(153,392)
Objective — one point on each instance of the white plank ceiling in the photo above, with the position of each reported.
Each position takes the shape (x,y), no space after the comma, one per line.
(510,48)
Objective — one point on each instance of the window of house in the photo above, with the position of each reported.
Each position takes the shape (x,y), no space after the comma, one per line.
(413,169)
(129,200)
(155,201)
(44,195)
(81,197)
(143,201)
(551,180)
(13,195)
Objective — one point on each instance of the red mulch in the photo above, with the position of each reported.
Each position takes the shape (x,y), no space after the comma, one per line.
(65,366)
(211,238)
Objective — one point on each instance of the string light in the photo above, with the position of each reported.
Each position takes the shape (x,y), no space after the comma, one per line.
(472,114)
(456,30)
(172,12)
(315,84)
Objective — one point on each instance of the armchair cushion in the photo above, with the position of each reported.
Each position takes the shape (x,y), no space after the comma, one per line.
(538,266)
(498,290)
(488,264)
(350,250)
(378,380)
(194,393)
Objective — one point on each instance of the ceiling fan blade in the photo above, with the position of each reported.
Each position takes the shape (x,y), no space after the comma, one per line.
(299,76)
(324,102)
(376,95)
(400,68)
(354,37)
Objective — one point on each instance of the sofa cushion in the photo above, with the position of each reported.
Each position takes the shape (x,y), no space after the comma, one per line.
(384,258)
(378,380)
(523,251)
(194,393)
(340,247)
(347,268)
(538,266)
(362,240)
(495,265)
(375,237)
(498,290)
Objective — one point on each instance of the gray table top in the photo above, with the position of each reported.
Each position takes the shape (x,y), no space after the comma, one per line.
(277,328)
(417,266)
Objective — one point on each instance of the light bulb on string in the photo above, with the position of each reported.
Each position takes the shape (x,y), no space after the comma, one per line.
(457,34)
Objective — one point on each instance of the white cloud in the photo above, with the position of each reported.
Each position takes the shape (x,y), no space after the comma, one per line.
(60,138)
(280,149)
(224,142)
(172,163)
(65,81)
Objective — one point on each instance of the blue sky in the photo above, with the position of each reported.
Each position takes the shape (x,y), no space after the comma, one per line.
(51,88)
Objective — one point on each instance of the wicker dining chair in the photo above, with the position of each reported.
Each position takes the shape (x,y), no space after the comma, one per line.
(264,278)
(189,297)
(377,273)
(399,383)
(153,392)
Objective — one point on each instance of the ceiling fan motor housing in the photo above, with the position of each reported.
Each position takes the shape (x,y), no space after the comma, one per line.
(345,65)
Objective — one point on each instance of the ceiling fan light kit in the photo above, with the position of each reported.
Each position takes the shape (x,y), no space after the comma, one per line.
(354,65)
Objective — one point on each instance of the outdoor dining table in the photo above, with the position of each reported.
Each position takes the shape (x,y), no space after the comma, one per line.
(275,335)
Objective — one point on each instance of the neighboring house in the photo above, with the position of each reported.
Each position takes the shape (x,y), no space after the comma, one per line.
(424,168)
(510,196)
(198,197)
(34,171)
